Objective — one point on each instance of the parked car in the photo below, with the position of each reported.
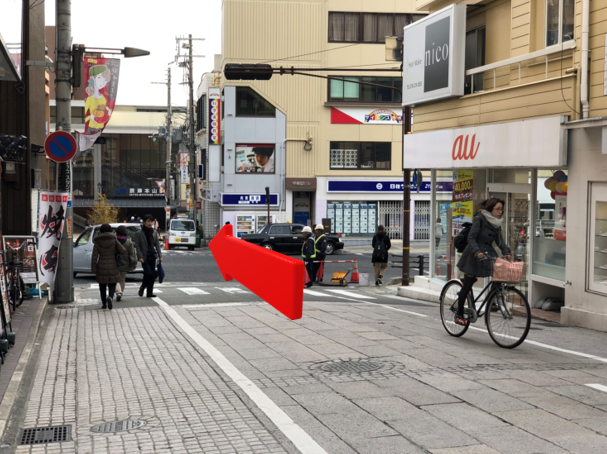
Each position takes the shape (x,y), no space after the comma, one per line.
(287,238)
(182,232)
(83,246)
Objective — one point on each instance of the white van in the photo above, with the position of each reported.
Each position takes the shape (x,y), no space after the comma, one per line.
(182,232)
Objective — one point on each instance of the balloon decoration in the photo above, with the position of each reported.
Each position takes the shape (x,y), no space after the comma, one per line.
(557,184)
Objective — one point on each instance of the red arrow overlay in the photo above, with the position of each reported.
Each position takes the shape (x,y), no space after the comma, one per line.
(275,278)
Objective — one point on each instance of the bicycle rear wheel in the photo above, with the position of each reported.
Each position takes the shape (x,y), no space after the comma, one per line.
(448,308)
(508,324)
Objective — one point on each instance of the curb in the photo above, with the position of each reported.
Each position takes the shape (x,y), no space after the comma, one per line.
(13,387)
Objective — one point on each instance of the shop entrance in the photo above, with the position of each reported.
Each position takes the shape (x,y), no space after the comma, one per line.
(516,229)
(302,208)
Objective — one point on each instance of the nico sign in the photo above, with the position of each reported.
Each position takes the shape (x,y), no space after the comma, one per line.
(539,142)
(434,55)
(214,116)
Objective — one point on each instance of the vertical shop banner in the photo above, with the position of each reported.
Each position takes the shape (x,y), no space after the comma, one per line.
(101,80)
(52,219)
(214,116)
(463,195)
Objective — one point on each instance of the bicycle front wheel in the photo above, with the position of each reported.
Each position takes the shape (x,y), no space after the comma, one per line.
(508,317)
(448,308)
(20,290)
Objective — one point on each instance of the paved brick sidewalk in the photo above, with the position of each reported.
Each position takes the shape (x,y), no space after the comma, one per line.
(102,366)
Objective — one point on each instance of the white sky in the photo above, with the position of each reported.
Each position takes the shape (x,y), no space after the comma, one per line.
(145,24)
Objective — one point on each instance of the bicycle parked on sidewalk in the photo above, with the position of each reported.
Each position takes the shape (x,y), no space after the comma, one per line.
(16,286)
(506,310)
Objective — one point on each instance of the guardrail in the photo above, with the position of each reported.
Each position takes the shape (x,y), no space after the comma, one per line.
(420,263)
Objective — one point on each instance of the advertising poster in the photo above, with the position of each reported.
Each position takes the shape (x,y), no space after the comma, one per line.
(52,220)
(463,195)
(257,158)
(365,116)
(355,218)
(372,216)
(22,248)
(363,218)
(101,82)
(560,213)
(347,218)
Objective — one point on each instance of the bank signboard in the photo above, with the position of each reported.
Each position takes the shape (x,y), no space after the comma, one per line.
(539,142)
(434,55)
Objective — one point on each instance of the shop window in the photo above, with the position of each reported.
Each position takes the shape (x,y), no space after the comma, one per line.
(549,246)
(353,217)
(361,155)
(367,27)
(597,266)
(475,57)
(560,15)
(346,91)
(249,103)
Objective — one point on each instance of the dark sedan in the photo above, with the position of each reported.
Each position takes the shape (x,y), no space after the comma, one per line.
(287,238)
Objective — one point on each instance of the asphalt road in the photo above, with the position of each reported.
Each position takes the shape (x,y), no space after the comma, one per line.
(200,266)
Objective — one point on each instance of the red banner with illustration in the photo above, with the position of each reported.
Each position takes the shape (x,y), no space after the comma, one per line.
(101,80)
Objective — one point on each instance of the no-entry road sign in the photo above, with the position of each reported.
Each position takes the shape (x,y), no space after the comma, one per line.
(60,146)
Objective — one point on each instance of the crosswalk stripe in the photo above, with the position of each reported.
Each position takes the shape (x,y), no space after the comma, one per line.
(313,293)
(352,294)
(231,289)
(193,291)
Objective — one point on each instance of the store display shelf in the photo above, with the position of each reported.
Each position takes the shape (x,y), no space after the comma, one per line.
(549,265)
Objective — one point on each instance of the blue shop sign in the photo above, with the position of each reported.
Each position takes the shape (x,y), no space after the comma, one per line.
(248,199)
(383,186)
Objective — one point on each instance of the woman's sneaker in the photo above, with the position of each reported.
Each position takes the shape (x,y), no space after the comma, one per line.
(109,303)
(460,320)
(380,281)
(377,283)
(118,296)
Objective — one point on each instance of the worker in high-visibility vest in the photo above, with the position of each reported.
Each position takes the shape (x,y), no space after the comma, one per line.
(320,246)
(308,253)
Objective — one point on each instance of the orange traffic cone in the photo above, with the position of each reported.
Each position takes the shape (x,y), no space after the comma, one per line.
(166,243)
(355,279)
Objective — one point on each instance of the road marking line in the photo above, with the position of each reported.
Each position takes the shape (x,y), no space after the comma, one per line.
(201,306)
(231,289)
(404,298)
(394,308)
(359,253)
(285,424)
(352,295)
(315,293)
(193,291)
(597,386)
(552,347)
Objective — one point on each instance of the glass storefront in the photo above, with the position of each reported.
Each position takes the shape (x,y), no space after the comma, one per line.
(549,249)
(597,266)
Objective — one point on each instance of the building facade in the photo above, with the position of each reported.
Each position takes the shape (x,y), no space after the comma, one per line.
(337,155)
(520,118)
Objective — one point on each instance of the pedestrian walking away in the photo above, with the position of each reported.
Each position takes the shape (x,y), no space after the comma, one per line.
(148,250)
(381,245)
(438,231)
(103,264)
(320,246)
(129,259)
(308,253)
(486,231)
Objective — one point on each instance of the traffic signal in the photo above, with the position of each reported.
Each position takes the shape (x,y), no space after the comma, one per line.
(233,71)
(267,195)
(77,64)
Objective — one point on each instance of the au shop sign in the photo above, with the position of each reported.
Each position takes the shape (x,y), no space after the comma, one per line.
(373,186)
(540,142)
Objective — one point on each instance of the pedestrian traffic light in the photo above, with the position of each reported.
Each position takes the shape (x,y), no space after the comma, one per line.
(267,195)
(233,71)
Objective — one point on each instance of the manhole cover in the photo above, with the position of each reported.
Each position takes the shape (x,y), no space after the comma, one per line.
(118,426)
(355,366)
(41,435)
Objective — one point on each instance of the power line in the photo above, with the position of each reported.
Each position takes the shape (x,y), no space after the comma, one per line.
(310,53)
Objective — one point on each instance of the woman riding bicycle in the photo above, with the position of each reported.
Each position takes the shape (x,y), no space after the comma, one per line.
(486,231)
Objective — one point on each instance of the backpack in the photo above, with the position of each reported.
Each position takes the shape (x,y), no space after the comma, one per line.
(380,253)
(461,239)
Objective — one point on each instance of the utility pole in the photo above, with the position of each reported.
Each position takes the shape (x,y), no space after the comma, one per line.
(169,142)
(64,281)
(406,201)
(194,176)
(192,126)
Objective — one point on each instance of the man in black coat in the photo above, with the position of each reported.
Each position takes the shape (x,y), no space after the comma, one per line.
(148,250)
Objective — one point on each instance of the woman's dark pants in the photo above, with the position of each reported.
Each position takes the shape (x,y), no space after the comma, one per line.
(468,283)
(103,288)
(149,274)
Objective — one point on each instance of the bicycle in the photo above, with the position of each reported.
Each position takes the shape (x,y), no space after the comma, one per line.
(506,311)
(16,286)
